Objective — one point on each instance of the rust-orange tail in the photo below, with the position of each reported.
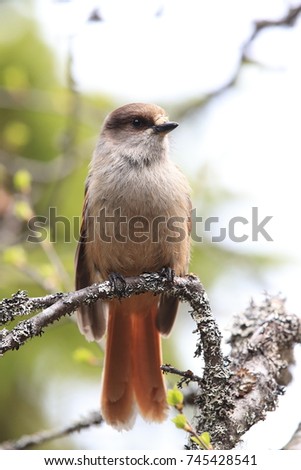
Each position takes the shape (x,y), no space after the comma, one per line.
(132,379)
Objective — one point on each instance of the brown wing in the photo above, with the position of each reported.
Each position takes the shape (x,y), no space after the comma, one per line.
(167,312)
(91,318)
(168,305)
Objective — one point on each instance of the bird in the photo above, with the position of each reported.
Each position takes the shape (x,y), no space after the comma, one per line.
(136,219)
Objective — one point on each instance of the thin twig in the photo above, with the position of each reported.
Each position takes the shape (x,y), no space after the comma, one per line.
(188,375)
(288,19)
(25,442)
(295,442)
(56,263)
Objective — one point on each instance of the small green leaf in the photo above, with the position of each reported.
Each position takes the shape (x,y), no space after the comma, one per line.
(180,421)
(22,181)
(203,440)
(197,441)
(205,436)
(175,397)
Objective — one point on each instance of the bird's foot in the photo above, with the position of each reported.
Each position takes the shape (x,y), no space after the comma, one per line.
(118,283)
(168,273)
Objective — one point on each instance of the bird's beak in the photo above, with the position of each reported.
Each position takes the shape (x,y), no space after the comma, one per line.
(165,127)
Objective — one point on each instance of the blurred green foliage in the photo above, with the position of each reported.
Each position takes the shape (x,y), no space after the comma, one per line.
(39,167)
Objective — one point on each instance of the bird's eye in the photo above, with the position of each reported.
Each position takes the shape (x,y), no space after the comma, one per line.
(137,123)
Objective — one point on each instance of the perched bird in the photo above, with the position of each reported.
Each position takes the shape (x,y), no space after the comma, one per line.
(136,219)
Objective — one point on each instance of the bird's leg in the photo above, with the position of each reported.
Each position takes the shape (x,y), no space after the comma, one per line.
(168,273)
(118,283)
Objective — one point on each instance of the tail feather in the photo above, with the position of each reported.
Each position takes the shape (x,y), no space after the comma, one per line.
(117,401)
(147,358)
(132,374)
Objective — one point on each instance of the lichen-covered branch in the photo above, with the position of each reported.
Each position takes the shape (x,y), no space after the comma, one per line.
(187,289)
(263,338)
(233,393)
(262,341)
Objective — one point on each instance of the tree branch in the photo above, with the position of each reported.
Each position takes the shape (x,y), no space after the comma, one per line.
(187,375)
(262,341)
(187,289)
(288,19)
(41,437)
(295,442)
(233,393)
